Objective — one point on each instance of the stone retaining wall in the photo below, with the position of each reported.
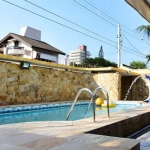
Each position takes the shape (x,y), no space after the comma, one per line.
(34,85)
(125,127)
(39,84)
(112,82)
(139,90)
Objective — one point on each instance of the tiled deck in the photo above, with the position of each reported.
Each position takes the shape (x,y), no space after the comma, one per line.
(69,135)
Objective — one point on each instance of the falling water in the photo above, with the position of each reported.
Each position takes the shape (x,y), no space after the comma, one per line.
(131,87)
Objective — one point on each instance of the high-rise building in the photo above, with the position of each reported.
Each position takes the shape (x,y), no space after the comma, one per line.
(77,56)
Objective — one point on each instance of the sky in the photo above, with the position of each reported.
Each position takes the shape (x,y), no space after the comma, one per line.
(98,21)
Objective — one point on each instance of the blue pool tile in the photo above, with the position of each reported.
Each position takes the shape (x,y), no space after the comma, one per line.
(46,106)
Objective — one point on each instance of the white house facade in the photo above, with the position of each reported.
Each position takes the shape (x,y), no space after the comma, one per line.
(29,45)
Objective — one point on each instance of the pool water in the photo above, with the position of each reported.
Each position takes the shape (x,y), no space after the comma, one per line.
(55,113)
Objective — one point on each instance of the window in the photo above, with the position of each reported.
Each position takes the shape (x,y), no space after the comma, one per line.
(16,43)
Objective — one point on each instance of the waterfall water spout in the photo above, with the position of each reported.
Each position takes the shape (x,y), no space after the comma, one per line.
(128,92)
(148,84)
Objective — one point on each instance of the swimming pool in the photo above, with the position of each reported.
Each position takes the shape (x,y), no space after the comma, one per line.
(54,112)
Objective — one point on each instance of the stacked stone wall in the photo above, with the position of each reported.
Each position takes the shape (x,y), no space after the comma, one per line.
(139,90)
(112,82)
(36,85)
(125,127)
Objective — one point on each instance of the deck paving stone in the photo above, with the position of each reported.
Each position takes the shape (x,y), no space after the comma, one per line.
(12,147)
(41,136)
(122,142)
(19,139)
(97,147)
(93,142)
(44,143)
(72,145)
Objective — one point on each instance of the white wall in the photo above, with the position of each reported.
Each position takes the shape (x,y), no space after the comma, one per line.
(26,48)
(10,43)
(31,33)
(27,52)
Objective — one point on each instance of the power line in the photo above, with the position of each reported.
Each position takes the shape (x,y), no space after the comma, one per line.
(68,21)
(104,11)
(133,46)
(109,16)
(71,22)
(132,35)
(132,53)
(58,23)
(62,24)
(133,50)
(100,10)
(119,35)
(116,21)
(80,7)
(108,21)
(91,13)
(94,12)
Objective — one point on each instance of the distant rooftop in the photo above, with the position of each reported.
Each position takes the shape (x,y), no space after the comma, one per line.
(32,43)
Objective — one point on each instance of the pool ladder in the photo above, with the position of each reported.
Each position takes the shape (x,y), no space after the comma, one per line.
(91,101)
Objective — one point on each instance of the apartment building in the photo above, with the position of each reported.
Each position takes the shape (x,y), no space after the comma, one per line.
(77,56)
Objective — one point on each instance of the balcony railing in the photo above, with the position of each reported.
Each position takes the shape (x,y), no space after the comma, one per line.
(15,50)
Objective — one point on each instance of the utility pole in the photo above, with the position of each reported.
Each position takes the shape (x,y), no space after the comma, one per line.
(118,39)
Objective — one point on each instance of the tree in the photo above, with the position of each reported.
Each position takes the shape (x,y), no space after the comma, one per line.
(72,64)
(101,53)
(138,64)
(144,29)
(94,62)
(97,62)
(148,59)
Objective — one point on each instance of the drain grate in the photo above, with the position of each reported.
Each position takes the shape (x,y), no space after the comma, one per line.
(139,132)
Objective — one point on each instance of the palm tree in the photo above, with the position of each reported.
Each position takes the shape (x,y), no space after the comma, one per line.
(144,29)
(148,59)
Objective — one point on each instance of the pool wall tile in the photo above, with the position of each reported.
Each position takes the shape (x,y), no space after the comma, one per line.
(35,107)
(46,106)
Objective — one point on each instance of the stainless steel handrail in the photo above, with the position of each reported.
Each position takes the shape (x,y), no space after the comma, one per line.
(75,100)
(104,90)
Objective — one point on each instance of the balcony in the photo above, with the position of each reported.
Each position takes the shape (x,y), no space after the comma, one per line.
(15,50)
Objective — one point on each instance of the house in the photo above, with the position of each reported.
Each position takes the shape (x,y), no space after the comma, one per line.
(29,45)
(1,51)
(77,56)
